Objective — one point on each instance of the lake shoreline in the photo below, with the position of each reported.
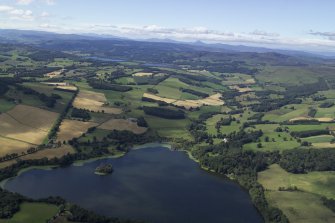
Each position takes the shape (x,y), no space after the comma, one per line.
(166,145)
(79,163)
(156,153)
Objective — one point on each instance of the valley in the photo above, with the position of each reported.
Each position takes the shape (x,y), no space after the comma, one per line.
(262,122)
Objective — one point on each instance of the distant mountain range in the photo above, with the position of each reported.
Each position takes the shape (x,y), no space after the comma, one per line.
(38,37)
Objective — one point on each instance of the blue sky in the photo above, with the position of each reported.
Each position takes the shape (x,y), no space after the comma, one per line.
(299,24)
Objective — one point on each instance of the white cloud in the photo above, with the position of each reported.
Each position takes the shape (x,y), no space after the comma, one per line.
(158,30)
(264,33)
(49,2)
(44,14)
(48,26)
(320,41)
(256,37)
(28,2)
(327,35)
(24,2)
(5,8)
(16,13)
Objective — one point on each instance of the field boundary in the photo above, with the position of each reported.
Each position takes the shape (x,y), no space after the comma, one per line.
(24,123)
(5,137)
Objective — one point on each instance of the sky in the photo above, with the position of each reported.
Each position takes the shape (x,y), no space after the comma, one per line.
(291,24)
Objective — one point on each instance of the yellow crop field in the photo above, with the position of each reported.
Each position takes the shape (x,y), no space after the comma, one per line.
(54,74)
(214,100)
(142,74)
(69,88)
(33,117)
(70,129)
(300,118)
(239,89)
(27,124)
(50,153)
(8,146)
(45,153)
(94,101)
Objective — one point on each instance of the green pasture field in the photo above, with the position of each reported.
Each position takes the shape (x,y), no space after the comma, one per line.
(6,105)
(33,213)
(82,85)
(227,129)
(98,133)
(298,128)
(319,139)
(304,205)
(300,207)
(62,62)
(125,80)
(277,140)
(286,113)
(24,99)
(316,182)
(325,112)
(48,90)
(169,128)
(287,75)
(169,88)
(330,94)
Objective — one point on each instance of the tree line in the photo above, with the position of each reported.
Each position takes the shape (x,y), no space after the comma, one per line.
(49,101)
(80,113)
(243,167)
(309,133)
(194,92)
(307,160)
(164,112)
(99,84)
(10,204)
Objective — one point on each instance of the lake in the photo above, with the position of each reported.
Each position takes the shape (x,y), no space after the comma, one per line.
(152,184)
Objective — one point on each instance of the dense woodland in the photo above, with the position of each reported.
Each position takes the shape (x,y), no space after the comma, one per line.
(308,133)
(243,167)
(81,114)
(194,92)
(306,160)
(164,112)
(108,86)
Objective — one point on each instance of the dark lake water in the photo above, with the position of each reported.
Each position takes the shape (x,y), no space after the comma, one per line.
(152,184)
